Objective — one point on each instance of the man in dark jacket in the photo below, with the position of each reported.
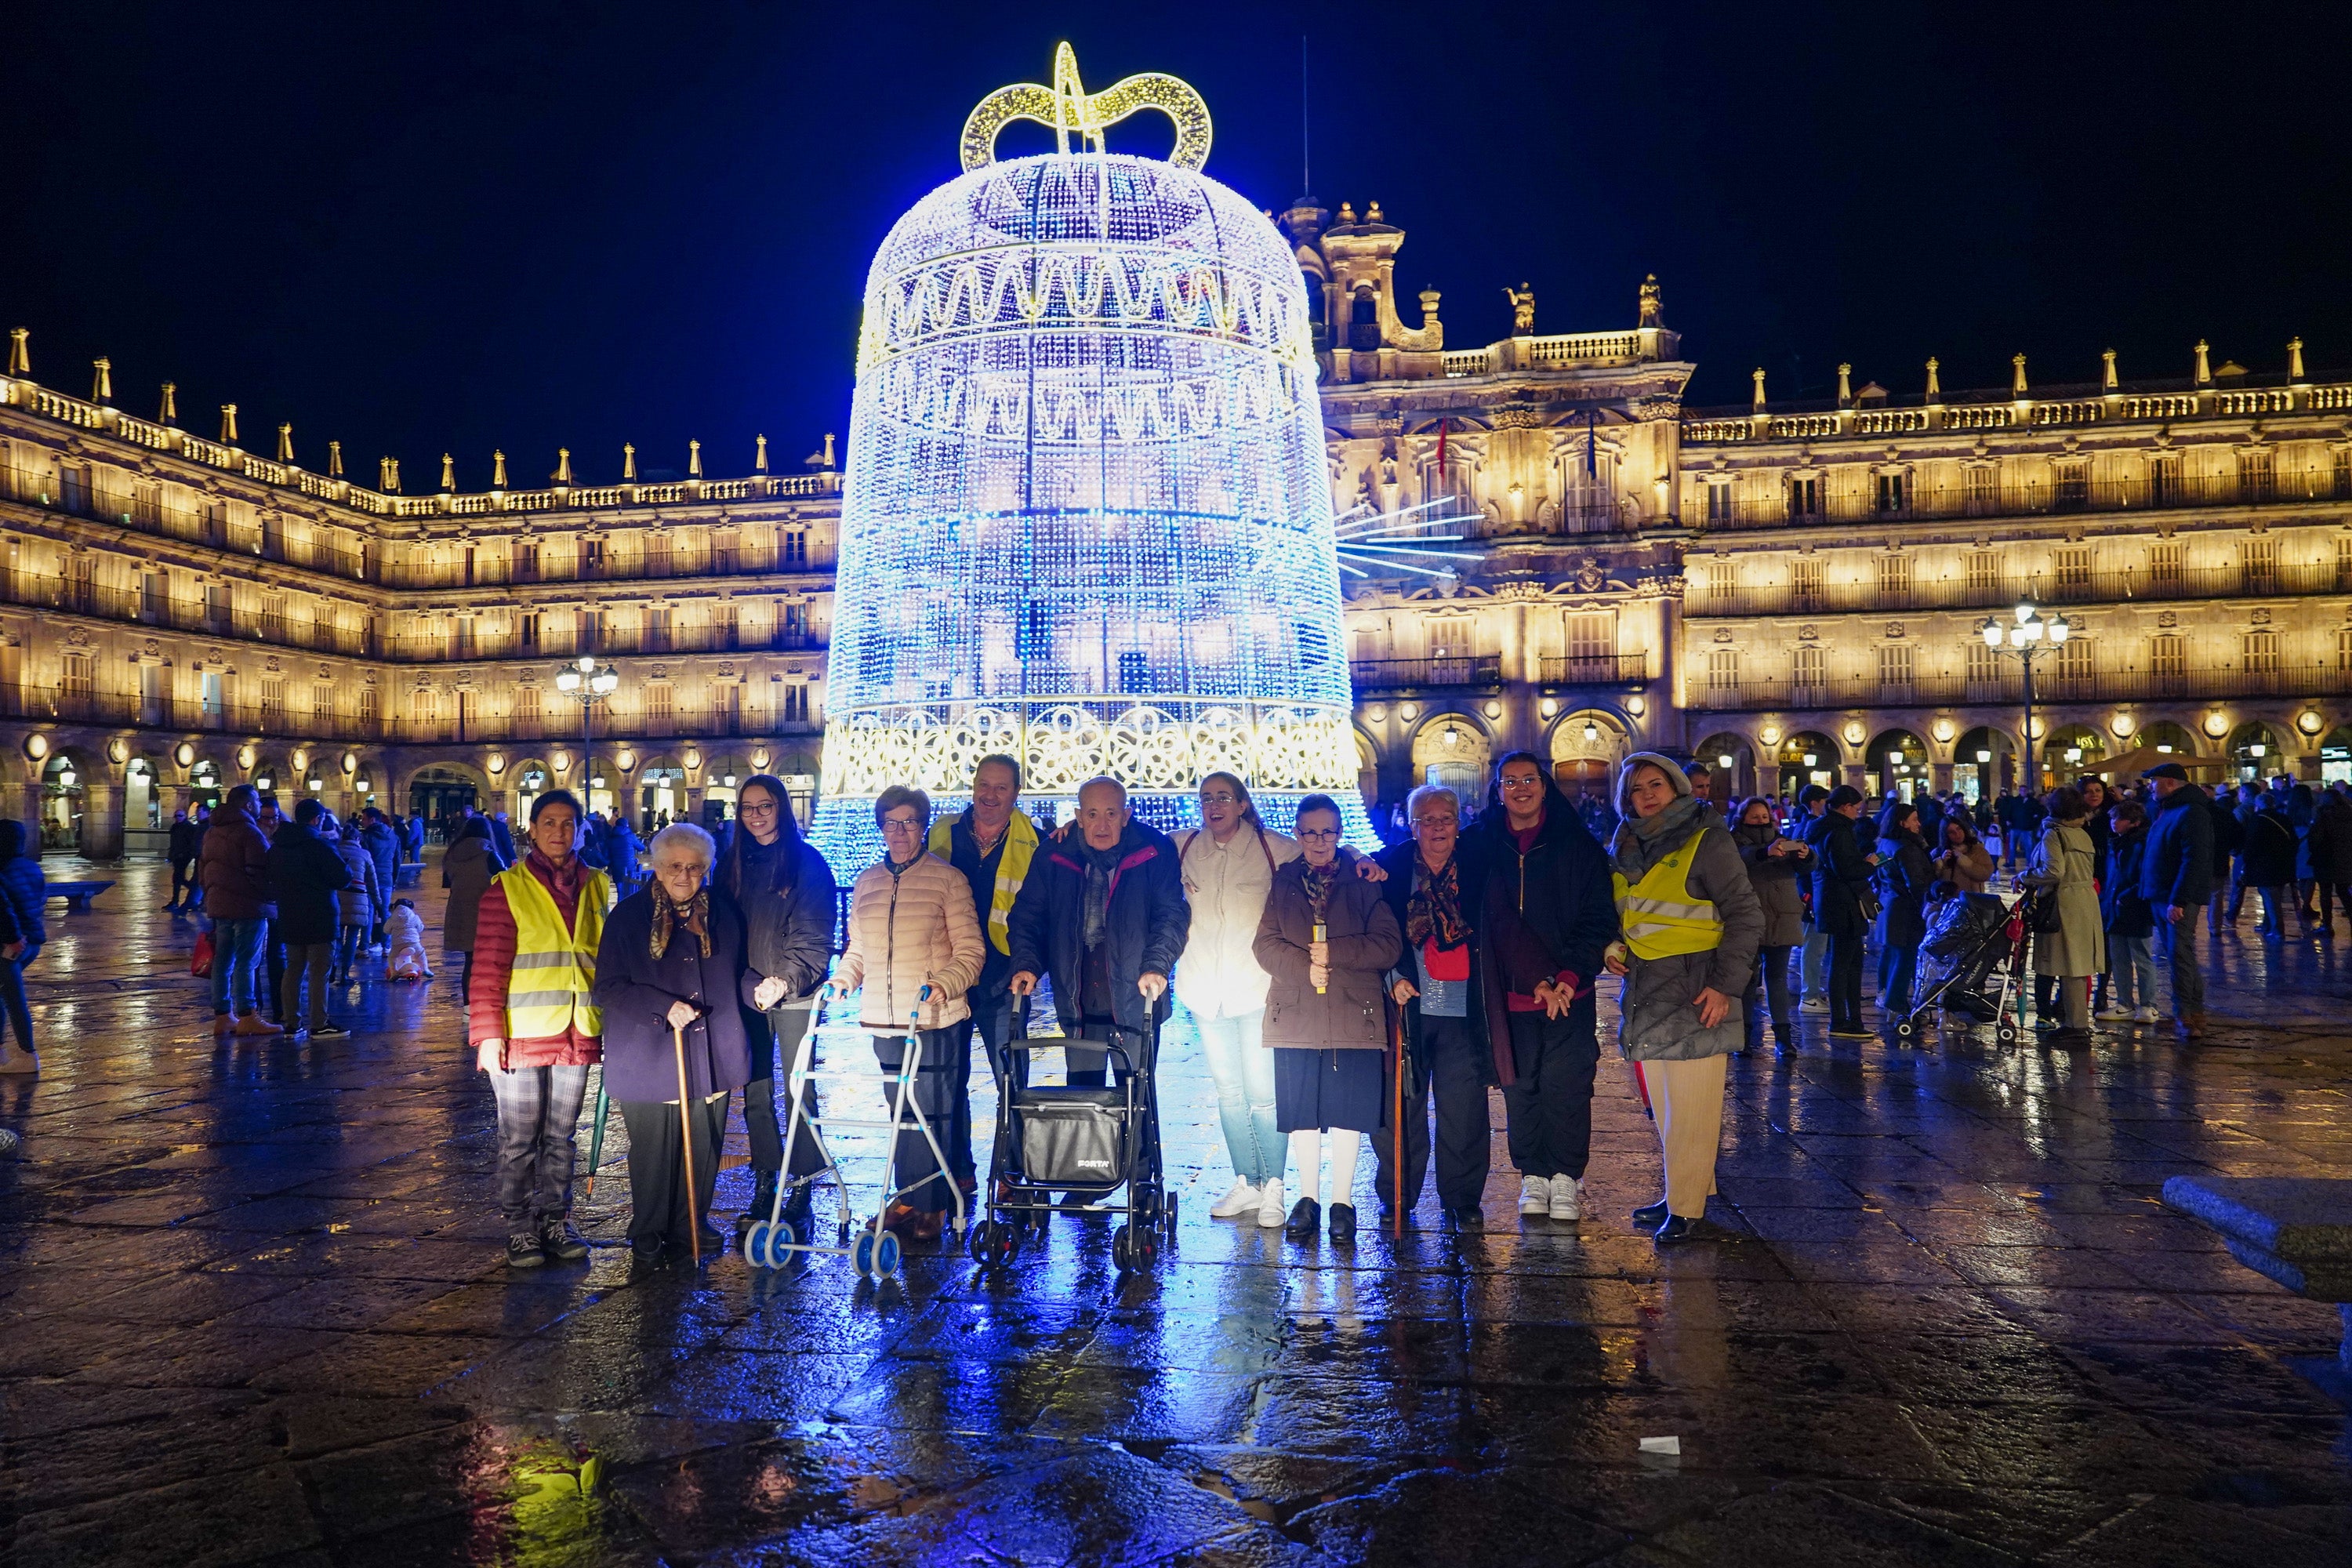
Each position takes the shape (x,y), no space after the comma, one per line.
(181,853)
(2175,877)
(382,845)
(1553,913)
(1103,913)
(1841,875)
(993,845)
(305,874)
(2330,847)
(1448,990)
(235,871)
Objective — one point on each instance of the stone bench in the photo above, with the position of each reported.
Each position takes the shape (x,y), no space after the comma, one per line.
(2296,1230)
(78,895)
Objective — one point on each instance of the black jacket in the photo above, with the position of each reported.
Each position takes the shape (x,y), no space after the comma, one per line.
(1905,874)
(1147,917)
(2330,843)
(187,835)
(1489,1019)
(2270,849)
(1842,871)
(306,872)
(2178,868)
(2120,899)
(1559,891)
(788,936)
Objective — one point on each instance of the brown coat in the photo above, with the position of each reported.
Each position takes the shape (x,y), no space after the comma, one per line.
(907,931)
(232,869)
(1364,940)
(1968,868)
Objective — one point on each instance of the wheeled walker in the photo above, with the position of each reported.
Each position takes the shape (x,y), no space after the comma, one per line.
(1089,1143)
(872,1251)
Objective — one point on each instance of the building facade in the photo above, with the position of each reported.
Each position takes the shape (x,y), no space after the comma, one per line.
(1799,589)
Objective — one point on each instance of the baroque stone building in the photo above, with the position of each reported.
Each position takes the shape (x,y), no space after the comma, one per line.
(1796,588)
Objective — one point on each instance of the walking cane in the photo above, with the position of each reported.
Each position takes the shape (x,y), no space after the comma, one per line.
(685,1140)
(1396,1033)
(596,1137)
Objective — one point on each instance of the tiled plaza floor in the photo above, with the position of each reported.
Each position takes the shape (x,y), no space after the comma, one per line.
(252,1308)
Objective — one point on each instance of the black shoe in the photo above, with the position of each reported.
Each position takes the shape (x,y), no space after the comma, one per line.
(328,1031)
(1306,1219)
(561,1238)
(1343,1223)
(798,1206)
(763,1204)
(524,1250)
(1650,1216)
(646,1259)
(1850,1032)
(1077,1204)
(1678,1230)
(1469,1216)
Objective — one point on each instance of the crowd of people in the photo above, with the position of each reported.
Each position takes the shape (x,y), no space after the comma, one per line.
(1337,996)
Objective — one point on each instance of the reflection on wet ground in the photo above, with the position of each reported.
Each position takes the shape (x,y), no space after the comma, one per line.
(255,1311)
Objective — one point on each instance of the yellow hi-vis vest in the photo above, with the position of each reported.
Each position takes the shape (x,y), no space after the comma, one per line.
(554,977)
(1660,917)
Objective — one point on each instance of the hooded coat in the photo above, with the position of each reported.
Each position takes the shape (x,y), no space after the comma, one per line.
(1659,1000)
(1774,878)
(234,867)
(1147,921)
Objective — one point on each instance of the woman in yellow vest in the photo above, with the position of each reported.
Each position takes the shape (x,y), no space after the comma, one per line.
(1692,924)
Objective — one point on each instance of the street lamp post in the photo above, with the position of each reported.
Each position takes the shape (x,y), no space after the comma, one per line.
(2029,637)
(590,683)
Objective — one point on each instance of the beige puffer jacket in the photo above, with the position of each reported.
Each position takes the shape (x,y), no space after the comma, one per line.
(906,932)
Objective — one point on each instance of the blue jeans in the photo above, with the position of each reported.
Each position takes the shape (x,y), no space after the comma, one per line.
(2133,959)
(236,944)
(1242,1069)
(1816,953)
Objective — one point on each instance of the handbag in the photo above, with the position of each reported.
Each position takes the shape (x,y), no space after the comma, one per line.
(200,961)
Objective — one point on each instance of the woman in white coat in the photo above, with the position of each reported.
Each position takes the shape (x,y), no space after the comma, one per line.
(1228,865)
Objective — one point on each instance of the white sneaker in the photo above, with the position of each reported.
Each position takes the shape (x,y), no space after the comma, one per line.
(1567,1198)
(2146,1015)
(2111,1013)
(1534,1194)
(1270,1211)
(1813,1004)
(1236,1204)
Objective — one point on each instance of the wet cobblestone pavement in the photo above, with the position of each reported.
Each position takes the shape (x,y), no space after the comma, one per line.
(255,1311)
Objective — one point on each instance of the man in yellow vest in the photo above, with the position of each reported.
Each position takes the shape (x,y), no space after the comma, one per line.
(992,843)
(1693,923)
(535,1027)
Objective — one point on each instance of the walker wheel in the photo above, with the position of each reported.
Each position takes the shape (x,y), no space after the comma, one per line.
(2005,1034)
(994,1244)
(1122,1250)
(862,1254)
(886,1255)
(1906,1031)
(755,1244)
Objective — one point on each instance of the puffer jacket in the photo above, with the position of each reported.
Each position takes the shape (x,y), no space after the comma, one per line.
(2066,861)
(1659,1000)
(1774,878)
(1364,940)
(466,868)
(361,899)
(908,928)
(234,867)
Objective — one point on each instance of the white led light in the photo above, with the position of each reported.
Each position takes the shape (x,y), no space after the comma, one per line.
(1085,519)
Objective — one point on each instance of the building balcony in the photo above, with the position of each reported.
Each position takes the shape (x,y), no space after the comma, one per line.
(2008,688)
(1594,669)
(1916,502)
(1402,676)
(2129,585)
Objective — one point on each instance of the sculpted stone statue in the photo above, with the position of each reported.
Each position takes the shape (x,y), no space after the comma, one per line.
(1523,309)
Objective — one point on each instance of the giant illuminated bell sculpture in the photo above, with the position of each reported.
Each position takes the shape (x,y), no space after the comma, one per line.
(1085,519)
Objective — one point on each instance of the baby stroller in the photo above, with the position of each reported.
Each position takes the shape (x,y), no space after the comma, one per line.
(1971,936)
(1086,1142)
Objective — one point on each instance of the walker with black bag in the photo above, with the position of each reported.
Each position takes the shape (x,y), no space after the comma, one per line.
(873,1251)
(1972,937)
(1089,1142)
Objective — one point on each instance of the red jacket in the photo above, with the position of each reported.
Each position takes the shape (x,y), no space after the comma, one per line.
(494,952)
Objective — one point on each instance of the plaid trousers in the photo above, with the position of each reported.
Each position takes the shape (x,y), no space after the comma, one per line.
(538,1110)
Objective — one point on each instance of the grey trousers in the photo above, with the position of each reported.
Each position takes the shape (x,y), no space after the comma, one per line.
(538,1110)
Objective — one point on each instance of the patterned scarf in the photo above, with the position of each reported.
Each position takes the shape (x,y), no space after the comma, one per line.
(695,913)
(1319,883)
(1433,909)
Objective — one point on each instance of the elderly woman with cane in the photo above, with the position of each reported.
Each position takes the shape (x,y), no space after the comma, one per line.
(672,980)
(1692,923)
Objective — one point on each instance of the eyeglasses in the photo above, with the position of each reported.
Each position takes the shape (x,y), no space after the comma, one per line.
(1436,819)
(1219,797)
(902,824)
(1319,833)
(756,807)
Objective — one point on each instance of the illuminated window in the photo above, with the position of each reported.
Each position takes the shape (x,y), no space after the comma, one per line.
(796,703)
(659,713)
(1983,488)
(2164,481)
(1807,674)
(2076,663)
(1985,577)
(2258,565)
(2261,651)
(657,554)
(1984,668)
(795,550)
(2074,484)
(1893,578)
(2256,474)
(273,705)
(1722,584)
(528,632)
(1895,671)
(2344,649)
(2070,571)
(1890,493)
(527,712)
(2168,663)
(1718,501)
(2163,567)
(1805,582)
(592,557)
(1723,672)
(371,712)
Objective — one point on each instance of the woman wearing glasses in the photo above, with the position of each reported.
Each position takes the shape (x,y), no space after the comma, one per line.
(912,925)
(1326,938)
(1228,865)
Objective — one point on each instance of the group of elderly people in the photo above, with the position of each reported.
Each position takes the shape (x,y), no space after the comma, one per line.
(1462,959)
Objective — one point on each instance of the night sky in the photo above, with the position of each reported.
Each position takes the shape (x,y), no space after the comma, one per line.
(532,224)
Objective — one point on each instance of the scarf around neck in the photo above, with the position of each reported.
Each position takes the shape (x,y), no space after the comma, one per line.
(695,913)
(1099,864)
(1433,911)
(1319,881)
(1643,841)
